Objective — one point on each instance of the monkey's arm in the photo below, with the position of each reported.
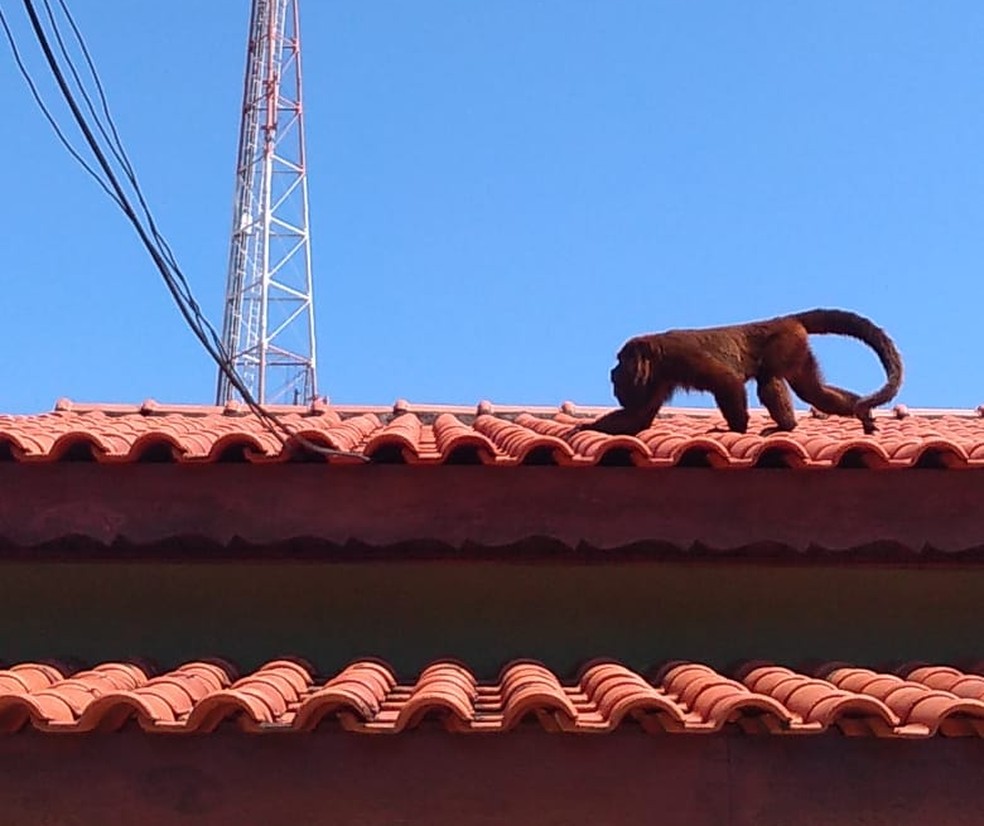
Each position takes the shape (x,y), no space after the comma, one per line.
(621,422)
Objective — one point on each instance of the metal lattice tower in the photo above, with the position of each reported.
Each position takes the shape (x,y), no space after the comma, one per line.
(268,326)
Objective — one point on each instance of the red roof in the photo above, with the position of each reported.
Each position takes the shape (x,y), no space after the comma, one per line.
(500,436)
(366,697)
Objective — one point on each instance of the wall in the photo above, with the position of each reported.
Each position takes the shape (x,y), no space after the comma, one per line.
(605,507)
(487,613)
(529,777)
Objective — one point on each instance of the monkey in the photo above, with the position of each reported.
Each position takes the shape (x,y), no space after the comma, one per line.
(722,359)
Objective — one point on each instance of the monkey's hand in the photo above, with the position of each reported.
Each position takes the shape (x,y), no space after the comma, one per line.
(620,422)
(578,428)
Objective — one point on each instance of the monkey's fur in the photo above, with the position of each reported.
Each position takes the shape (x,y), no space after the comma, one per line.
(721,359)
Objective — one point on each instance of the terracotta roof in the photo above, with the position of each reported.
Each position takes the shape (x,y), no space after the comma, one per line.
(493,436)
(284,696)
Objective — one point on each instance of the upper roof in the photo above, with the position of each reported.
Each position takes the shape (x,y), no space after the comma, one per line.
(503,436)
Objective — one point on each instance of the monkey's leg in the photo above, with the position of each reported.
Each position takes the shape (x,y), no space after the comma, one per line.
(729,393)
(773,394)
(827,398)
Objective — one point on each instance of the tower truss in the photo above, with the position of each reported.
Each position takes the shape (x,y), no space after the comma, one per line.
(268,324)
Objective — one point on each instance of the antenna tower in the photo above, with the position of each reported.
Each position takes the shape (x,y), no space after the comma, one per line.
(268,324)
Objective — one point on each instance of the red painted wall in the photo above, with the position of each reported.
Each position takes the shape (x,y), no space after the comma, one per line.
(603,507)
(432,778)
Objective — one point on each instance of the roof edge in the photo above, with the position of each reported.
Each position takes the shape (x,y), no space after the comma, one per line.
(151,407)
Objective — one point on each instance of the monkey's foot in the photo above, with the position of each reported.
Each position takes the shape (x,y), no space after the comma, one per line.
(727,429)
(776,428)
(867,420)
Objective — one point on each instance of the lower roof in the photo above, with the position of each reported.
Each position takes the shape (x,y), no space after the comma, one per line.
(916,701)
(504,436)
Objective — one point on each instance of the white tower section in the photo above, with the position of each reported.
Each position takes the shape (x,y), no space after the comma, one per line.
(268,325)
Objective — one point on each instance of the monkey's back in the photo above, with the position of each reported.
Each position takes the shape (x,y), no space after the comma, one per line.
(737,347)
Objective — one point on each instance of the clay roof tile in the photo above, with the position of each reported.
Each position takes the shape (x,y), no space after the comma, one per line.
(366,697)
(504,436)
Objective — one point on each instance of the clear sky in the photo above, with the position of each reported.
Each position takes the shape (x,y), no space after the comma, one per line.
(502,192)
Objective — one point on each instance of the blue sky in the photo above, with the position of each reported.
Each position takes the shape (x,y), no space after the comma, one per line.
(502,192)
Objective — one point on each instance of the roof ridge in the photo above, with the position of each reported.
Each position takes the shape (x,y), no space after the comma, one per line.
(153,407)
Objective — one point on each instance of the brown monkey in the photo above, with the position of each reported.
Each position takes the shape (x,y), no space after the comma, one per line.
(721,359)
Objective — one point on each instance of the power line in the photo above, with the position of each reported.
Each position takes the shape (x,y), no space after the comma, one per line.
(175,280)
(44,109)
(151,238)
(193,318)
(115,143)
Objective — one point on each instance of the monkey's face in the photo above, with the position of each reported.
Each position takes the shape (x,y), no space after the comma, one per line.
(632,378)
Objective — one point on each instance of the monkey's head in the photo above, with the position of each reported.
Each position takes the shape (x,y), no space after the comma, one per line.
(635,377)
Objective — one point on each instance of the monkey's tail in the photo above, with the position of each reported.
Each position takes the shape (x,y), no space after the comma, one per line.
(845,323)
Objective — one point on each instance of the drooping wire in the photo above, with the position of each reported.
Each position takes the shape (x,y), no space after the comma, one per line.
(156,246)
(119,152)
(45,111)
(111,137)
(121,197)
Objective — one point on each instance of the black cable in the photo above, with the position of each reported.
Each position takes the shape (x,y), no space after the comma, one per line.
(81,88)
(189,315)
(119,152)
(44,109)
(217,350)
(116,143)
(101,158)
(175,280)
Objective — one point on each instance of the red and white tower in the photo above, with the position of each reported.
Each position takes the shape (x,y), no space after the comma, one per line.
(268,325)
